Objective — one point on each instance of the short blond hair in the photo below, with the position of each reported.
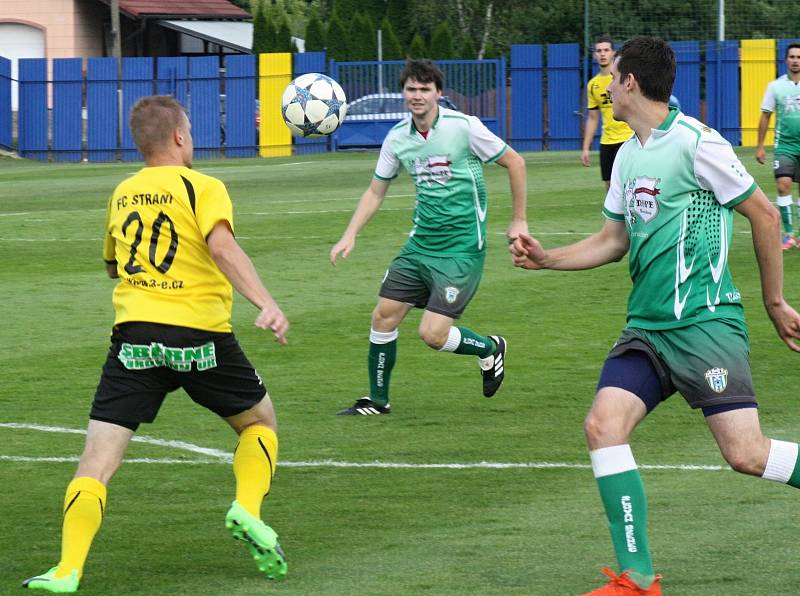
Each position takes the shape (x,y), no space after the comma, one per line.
(153,120)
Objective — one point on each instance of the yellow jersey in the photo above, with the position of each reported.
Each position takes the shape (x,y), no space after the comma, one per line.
(157,223)
(597,97)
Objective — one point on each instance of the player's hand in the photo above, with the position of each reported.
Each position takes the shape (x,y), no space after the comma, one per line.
(271,317)
(787,323)
(761,155)
(515,228)
(527,252)
(585,158)
(343,247)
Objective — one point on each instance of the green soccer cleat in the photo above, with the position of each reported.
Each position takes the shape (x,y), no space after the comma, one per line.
(261,540)
(50,583)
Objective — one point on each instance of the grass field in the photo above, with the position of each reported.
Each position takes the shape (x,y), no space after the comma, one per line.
(389,505)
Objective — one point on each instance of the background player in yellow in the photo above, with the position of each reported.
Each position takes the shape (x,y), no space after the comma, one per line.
(614,132)
(170,242)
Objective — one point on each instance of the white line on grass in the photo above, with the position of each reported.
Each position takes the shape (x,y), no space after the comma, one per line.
(223,457)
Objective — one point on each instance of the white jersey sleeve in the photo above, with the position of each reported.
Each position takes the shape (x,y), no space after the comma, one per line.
(768,102)
(388,164)
(483,142)
(718,169)
(614,206)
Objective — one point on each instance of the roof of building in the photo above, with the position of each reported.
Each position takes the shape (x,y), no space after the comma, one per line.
(195,9)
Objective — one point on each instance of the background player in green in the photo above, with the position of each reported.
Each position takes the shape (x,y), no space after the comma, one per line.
(669,207)
(170,241)
(782,96)
(440,266)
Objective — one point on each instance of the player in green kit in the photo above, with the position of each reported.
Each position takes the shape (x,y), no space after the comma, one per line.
(674,187)
(783,97)
(440,266)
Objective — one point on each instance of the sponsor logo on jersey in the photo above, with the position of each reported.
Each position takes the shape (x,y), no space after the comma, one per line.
(791,103)
(450,294)
(434,169)
(644,198)
(717,379)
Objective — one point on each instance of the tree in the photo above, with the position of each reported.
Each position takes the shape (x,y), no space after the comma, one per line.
(417,48)
(392,49)
(397,11)
(283,35)
(315,33)
(260,32)
(468,51)
(441,42)
(337,45)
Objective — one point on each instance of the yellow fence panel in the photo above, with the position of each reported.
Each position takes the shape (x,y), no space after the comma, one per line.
(275,72)
(758,69)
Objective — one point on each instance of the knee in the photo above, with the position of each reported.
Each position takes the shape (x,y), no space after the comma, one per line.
(383,322)
(745,461)
(434,338)
(602,431)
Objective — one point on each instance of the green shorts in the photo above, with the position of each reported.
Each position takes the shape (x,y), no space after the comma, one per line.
(786,166)
(708,363)
(443,285)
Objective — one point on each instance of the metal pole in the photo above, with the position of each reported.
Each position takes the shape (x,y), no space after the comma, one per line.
(380,61)
(586,56)
(721,20)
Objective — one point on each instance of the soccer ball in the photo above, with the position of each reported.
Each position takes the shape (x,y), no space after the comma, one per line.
(313,105)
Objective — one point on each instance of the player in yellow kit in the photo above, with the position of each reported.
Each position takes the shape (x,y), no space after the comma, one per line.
(170,242)
(598,100)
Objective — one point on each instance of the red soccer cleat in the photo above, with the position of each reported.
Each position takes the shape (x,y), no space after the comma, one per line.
(622,585)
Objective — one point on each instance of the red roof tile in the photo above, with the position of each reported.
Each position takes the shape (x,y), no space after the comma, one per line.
(182,8)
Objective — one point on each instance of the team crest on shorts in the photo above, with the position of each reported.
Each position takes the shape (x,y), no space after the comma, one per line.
(717,379)
(450,294)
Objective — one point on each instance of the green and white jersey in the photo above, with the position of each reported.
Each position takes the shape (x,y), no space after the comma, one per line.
(783,97)
(675,195)
(450,212)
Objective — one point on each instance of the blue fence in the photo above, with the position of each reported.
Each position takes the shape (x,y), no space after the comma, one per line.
(536,102)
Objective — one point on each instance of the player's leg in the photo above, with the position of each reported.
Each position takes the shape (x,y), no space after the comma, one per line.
(453,282)
(747,450)
(629,387)
(84,504)
(608,153)
(783,169)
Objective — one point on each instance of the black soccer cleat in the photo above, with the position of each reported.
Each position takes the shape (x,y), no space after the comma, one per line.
(494,367)
(365,407)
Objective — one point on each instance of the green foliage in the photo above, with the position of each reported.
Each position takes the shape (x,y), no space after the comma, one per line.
(283,42)
(399,14)
(442,42)
(467,51)
(417,49)
(261,34)
(315,33)
(338,46)
(392,48)
(361,42)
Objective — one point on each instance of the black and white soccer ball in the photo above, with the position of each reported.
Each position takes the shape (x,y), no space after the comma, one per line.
(313,105)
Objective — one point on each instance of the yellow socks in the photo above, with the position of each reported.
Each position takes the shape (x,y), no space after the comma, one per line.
(84,503)
(254,463)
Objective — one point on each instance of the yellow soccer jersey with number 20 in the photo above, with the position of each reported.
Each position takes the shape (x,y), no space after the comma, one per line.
(156,229)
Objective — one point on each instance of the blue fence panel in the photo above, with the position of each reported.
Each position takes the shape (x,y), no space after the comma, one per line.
(722,89)
(302,64)
(102,108)
(5,102)
(67,109)
(173,78)
(687,79)
(527,105)
(32,116)
(137,82)
(475,87)
(563,96)
(204,105)
(783,45)
(239,117)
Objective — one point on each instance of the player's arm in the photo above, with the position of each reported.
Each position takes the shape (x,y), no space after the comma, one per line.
(606,246)
(763,125)
(765,223)
(517,178)
(369,203)
(111,269)
(592,120)
(239,270)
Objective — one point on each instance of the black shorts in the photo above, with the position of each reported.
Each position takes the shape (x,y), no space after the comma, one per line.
(146,361)
(607,155)
(786,166)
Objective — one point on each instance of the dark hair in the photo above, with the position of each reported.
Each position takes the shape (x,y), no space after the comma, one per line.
(153,120)
(423,71)
(603,39)
(794,44)
(651,61)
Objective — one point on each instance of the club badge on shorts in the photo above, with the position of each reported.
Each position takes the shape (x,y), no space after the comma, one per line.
(450,294)
(717,379)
